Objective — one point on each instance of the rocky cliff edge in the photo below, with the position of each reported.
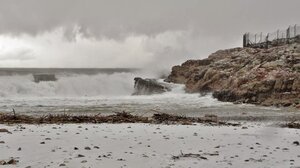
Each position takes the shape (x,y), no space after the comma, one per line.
(269,77)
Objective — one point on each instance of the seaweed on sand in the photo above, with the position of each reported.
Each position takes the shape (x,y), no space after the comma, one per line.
(119,117)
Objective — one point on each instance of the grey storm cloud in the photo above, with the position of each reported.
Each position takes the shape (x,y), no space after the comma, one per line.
(112,18)
(131,33)
(19,55)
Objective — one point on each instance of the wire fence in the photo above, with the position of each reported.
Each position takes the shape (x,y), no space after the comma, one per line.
(278,37)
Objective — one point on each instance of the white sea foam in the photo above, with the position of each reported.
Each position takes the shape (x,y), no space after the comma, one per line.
(67,86)
(106,93)
(99,92)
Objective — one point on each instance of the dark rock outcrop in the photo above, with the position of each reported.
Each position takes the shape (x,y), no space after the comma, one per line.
(245,75)
(149,86)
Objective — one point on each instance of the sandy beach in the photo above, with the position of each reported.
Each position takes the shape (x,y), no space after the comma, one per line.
(140,145)
(149,84)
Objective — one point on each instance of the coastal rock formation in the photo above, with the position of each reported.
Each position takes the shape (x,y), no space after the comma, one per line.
(149,86)
(245,75)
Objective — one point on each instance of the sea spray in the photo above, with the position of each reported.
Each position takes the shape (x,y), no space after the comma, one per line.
(106,93)
(67,85)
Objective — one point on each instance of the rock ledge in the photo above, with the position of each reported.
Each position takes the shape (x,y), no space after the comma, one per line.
(269,77)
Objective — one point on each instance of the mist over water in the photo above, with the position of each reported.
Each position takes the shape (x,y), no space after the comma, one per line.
(106,92)
(74,85)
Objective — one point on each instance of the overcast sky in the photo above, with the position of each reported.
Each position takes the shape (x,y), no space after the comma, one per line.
(131,33)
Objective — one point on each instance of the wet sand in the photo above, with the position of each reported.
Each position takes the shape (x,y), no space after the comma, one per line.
(150,145)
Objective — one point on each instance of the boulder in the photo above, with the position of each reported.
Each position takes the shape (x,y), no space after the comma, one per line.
(149,87)
(225,95)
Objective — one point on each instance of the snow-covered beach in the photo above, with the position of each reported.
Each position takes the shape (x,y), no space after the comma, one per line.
(150,145)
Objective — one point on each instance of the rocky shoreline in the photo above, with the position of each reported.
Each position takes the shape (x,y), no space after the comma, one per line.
(268,77)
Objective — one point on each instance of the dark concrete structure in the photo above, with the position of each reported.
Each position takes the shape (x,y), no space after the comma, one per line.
(44,77)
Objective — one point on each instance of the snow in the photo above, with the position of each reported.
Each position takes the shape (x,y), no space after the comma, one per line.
(149,145)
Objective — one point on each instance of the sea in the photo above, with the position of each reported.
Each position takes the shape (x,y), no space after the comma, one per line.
(105,91)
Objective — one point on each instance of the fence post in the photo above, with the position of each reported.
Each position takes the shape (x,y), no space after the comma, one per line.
(244,40)
(261,40)
(288,36)
(248,39)
(267,41)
